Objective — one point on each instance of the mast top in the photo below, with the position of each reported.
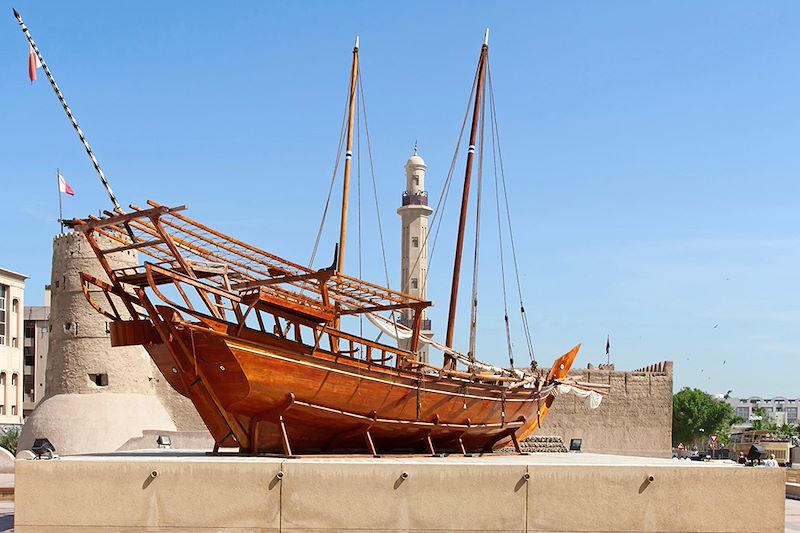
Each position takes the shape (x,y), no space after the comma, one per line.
(16,13)
(486,38)
(356,46)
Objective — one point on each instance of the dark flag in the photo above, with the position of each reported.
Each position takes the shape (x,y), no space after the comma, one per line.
(608,345)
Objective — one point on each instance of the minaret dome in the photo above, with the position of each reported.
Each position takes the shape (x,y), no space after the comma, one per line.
(415,174)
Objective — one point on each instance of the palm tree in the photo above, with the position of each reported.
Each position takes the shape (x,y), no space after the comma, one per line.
(787,431)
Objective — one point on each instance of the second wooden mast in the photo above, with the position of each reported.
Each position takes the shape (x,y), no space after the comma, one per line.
(348,158)
(473,137)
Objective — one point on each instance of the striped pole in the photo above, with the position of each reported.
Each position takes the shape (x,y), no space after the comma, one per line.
(68,111)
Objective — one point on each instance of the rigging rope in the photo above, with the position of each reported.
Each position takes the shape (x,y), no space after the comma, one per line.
(441,204)
(509,343)
(358,202)
(473,323)
(360,82)
(333,180)
(524,317)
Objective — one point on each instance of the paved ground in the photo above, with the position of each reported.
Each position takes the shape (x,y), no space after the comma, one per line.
(792,516)
(7,516)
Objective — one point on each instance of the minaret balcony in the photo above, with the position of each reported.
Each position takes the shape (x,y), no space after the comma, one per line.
(420,198)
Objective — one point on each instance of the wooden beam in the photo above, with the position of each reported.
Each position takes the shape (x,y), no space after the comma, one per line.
(121,219)
(134,246)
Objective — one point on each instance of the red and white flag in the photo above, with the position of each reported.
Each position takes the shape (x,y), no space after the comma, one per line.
(33,63)
(63,186)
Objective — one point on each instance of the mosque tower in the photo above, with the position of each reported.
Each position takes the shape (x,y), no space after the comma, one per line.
(414,215)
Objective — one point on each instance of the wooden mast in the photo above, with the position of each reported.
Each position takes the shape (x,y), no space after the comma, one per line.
(451,320)
(348,158)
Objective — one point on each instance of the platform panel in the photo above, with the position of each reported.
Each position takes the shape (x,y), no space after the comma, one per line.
(701,499)
(563,493)
(120,495)
(374,496)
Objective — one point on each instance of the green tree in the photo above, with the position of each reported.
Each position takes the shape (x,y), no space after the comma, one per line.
(760,423)
(764,424)
(9,440)
(696,415)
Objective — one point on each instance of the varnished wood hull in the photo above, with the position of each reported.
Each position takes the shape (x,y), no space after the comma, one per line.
(267,394)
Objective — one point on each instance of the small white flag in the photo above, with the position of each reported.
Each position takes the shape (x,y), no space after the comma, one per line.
(63,186)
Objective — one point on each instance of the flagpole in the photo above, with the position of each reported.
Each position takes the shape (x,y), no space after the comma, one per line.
(60,213)
(72,119)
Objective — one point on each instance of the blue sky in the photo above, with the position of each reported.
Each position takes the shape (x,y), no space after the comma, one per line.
(650,150)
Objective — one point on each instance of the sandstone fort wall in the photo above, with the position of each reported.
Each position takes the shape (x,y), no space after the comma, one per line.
(635,418)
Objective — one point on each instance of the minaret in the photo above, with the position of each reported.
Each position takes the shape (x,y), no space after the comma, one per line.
(414,215)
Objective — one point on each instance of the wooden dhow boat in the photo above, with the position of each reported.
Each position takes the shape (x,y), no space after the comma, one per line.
(256,342)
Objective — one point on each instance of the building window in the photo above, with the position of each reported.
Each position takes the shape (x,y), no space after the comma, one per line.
(3,292)
(13,379)
(743,412)
(415,242)
(101,380)
(14,343)
(414,283)
(416,180)
(14,410)
(791,415)
(15,305)
(2,409)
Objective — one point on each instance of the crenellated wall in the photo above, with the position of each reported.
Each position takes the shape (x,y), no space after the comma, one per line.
(635,418)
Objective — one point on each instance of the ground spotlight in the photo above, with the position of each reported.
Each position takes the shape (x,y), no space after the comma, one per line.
(43,449)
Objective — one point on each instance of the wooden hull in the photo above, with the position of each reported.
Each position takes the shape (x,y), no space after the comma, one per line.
(267,394)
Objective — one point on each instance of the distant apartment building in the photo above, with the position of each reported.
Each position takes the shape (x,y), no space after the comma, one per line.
(12,291)
(779,409)
(34,348)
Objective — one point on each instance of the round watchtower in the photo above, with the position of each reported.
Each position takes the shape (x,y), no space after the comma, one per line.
(96,397)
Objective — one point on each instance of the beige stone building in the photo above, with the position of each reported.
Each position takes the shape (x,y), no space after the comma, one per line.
(12,292)
(34,351)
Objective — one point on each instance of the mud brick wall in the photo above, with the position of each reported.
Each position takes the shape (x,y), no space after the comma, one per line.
(634,419)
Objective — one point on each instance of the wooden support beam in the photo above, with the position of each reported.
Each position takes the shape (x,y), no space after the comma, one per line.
(370,444)
(121,219)
(134,246)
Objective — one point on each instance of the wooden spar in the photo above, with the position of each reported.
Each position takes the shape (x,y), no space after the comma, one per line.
(348,158)
(451,320)
(68,111)
(72,120)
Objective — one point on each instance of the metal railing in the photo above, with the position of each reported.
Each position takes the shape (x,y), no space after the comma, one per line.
(420,198)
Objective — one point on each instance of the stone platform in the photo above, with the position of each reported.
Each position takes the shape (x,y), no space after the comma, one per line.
(183,492)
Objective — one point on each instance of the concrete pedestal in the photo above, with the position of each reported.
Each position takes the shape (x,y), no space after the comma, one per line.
(541,492)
